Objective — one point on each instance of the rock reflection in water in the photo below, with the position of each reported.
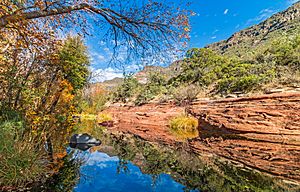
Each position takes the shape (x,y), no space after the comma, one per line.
(126,163)
(83,141)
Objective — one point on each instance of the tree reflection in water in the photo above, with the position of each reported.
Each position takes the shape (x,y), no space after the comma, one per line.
(191,172)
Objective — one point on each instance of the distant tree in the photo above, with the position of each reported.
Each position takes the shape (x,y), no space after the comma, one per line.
(74,62)
(201,66)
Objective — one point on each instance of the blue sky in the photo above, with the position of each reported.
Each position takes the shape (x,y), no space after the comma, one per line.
(214,20)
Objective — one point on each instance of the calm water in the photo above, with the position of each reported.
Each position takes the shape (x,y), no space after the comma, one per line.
(100,172)
(126,163)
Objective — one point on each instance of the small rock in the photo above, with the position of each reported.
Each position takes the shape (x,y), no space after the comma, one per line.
(203,99)
(141,114)
(295,86)
(274,91)
(238,92)
(243,95)
(297,89)
(231,96)
(107,124)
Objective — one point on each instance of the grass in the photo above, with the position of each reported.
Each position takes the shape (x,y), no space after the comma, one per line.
(20,161)
(184,127)
(104,117)
(88,117)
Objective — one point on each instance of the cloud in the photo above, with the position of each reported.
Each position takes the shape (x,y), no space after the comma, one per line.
(263,14)
(97,58)
(215,31)
(100,75)
(102,43)
(226,11)
(214,37)
(292,1)
(99,159)
(106,49)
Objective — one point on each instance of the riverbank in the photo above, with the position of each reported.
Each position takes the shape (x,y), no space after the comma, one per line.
(261,132)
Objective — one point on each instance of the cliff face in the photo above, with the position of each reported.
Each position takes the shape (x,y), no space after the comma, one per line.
(260,132)
(286,22)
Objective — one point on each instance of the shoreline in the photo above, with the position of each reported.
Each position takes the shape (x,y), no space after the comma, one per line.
(261,132)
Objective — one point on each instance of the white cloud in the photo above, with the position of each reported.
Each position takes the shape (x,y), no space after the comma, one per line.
(99,158)
(226,11)
(97,57)
(292,1)
(215,31)
(106,49)
(133,68)
(263,14)
(214,37)
(102,43)
(100,75)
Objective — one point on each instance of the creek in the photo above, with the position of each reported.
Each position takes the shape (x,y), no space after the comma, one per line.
(124,162)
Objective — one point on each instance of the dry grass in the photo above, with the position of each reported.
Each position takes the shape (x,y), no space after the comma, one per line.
(104,117)
(184,127)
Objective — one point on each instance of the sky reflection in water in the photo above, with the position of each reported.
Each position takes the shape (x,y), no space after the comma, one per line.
(100,173)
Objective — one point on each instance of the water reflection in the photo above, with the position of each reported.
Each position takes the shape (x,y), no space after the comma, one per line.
(126,163)
(104,173)
(83,142)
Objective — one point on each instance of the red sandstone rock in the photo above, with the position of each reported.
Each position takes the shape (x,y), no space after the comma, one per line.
(261,132)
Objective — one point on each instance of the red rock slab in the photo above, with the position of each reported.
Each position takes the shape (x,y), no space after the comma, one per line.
(262,132)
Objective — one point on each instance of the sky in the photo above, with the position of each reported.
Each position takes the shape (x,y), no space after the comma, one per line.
(214,20)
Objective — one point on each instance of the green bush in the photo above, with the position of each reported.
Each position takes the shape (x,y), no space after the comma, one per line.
(20,161)
(156,85)
(126,90)
(205,68)
(201,66)
(243,77)
(283,51)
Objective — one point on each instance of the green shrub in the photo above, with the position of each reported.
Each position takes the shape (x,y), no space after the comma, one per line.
(205,68)
(243,77)
(201,66)
(126,90)
(20,160)
(156,85)
(283,51)
(184,127)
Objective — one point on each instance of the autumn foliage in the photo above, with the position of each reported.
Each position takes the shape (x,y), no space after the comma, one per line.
(43,70)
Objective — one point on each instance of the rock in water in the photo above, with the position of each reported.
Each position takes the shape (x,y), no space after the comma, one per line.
(83,141)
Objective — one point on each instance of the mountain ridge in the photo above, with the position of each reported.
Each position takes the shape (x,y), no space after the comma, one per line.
(241,43)
(284,22)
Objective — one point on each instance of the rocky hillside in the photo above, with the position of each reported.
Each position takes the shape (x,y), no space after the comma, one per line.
(267,53)
(283,23)
(110,84)
(172,70)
